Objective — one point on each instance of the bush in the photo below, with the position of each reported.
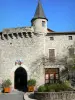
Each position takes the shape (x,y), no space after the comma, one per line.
(31,82)
(73,67)
(6,83)
(54,87)
(42,89)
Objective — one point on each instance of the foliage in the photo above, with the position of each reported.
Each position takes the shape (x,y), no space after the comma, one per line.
(73,67)
(31,82)
(42,89)
(54,87)
(6,83)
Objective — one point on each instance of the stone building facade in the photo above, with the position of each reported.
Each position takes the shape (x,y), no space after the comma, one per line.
(33,50)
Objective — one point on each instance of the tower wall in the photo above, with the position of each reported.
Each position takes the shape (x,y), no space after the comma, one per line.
(37,24)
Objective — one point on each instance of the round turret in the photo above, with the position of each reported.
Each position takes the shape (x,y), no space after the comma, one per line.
(39,21)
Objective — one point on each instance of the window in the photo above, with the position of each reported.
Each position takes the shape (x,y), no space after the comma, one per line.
(52,55)
(43,23)
(47,78)
(51,75)
(70,37)
(51,38)
(71,52)
(57,76)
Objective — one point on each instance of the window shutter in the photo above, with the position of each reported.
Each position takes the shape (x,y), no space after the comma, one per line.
(52,55)
(71,52)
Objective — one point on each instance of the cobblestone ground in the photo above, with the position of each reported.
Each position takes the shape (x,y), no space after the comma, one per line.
(11,97)
(14,95)
(17,95)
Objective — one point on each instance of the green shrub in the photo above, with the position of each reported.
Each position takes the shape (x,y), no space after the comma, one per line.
(54,87)
(31,82)
(42,89)
(6,83)
(49,88)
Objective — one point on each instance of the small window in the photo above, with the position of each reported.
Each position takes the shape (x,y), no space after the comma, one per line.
(51,38)
(52,55)
(43,23)
(70,37)
(10,43)
(71,52)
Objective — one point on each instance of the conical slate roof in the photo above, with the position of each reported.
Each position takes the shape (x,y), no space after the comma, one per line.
(39,12)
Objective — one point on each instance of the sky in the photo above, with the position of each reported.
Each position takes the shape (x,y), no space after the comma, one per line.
(18,13)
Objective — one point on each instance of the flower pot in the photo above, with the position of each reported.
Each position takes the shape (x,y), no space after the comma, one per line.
(7,89)
(30,88)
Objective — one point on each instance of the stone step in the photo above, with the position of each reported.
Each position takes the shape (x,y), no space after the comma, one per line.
(29,96)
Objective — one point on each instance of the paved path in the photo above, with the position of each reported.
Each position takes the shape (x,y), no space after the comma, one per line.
(17,95)
(11,97)
(29,96)
(14,95)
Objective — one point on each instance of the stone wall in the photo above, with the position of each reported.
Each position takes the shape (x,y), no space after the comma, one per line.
(61,44)
(68,95)
(29,50)
(16,44)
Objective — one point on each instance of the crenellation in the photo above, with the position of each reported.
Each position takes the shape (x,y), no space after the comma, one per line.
(11,36)
(20,35)
(24,34)
(18,30)
(2,37)
(30,34)
(5,36)
(16,35)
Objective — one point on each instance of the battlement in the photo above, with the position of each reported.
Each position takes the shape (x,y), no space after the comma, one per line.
(18,29)
(16,33)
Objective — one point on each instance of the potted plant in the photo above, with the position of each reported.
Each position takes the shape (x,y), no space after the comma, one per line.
(6,85)
(31,85)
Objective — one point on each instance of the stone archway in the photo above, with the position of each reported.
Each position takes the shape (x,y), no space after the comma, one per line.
(20,79)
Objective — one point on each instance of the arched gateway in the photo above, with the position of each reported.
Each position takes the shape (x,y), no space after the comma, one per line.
(20,79)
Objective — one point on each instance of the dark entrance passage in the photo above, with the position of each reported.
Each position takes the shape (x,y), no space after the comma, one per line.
(20,79)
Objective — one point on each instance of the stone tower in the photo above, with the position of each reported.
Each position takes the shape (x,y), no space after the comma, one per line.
(39,21)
